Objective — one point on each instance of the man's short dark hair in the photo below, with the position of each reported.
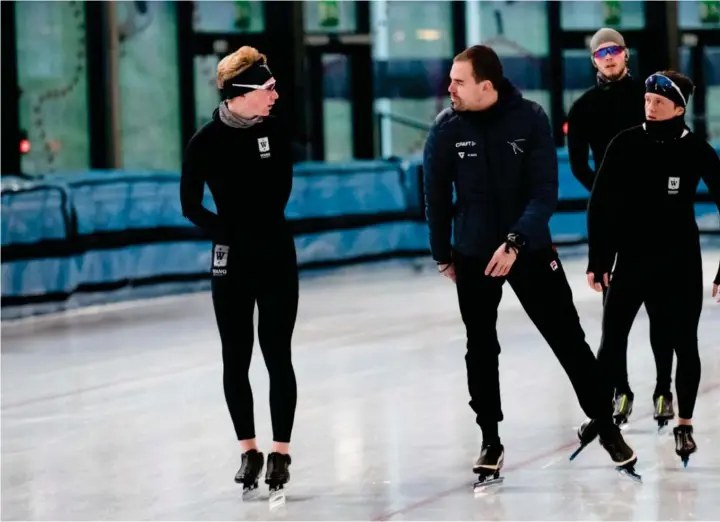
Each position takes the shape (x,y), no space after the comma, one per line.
(485,63)
(686,85)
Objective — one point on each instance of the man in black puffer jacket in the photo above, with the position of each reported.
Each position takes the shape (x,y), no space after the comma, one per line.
(496,149)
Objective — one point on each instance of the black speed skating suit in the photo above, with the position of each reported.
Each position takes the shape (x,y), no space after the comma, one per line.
(642,212)
(249,172)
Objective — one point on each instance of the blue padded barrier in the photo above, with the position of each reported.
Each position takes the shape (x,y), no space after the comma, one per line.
(362,187)
(80,211)
(106,201)
(33,211)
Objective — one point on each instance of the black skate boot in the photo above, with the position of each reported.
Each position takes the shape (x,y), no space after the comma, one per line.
(684,443)
(587,432)
(664,411)
(488,466)
(622,455)
(623,403)
(276,476)
(249,472)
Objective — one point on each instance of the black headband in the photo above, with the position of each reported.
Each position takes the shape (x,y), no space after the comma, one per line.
(252,78)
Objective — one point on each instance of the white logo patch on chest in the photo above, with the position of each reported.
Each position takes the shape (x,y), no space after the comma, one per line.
(673,185)
(264,146)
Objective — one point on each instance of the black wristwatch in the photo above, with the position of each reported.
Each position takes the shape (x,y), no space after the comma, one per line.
(514,241)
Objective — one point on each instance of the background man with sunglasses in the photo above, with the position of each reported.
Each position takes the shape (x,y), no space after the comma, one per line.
(614,104)
(642,217)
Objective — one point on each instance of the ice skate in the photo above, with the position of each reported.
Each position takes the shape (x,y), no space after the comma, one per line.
(622,455)
(664,411)
(684,443)
(488,466)
(249,472)
(623,403)
(587,432)
(276,476)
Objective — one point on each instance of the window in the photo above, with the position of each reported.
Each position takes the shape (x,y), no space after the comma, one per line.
(518,32)
(207,95)
(330,16)
(412,51)
(229,17)
(693,14)
(593,15)
(149,97)
(52,78)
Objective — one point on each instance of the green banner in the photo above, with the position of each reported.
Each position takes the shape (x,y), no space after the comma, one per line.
(329,13)
(243,15)
(709,11)
(613,15)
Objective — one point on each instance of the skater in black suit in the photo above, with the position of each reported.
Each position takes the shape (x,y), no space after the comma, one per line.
(644,239)
(243,155)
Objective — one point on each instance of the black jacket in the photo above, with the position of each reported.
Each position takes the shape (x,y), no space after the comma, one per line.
(642,205)
(597,117)
(249,173)
(502,163)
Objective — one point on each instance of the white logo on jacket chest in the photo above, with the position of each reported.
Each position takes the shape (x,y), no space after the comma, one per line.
(673,185)
(264,146)
(515,147)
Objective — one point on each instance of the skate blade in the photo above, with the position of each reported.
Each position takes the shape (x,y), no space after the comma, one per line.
(483,486)
(277,499)
(630,473)
(577,451)
(251,492)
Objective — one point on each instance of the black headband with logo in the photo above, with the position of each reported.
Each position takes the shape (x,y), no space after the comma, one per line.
(252,78)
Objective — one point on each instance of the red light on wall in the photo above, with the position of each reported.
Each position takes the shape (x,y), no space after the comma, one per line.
(565,128)
(24,146)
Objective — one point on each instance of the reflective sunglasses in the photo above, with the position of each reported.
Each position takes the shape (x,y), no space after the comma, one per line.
(266,87)
(613,50)
(662,84)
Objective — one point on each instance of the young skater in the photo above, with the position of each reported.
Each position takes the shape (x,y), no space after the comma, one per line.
(496,148)
(641,216)
(243,155)
(614,104)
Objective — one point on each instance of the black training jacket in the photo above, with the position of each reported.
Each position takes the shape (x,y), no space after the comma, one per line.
(596,118)
(502,163)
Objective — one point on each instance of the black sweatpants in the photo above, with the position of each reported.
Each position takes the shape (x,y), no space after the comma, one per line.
(270,279)
(538,280)
(663,361)
(672,292)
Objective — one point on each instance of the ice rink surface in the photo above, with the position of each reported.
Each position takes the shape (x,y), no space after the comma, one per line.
(117,413)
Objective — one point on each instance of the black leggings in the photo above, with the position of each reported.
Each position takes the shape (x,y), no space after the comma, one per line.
(238,282)
(672,293)
(663,361)
(539,281)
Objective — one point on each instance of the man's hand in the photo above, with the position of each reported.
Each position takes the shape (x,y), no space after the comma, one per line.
(448,270)
(597,286)
(715,291)
(501,262)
